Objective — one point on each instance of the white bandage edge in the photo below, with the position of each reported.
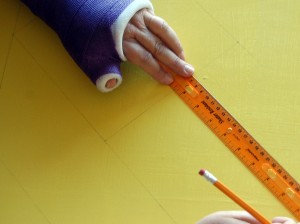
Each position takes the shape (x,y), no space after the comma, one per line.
(120,24)
(117,30)
(102,80)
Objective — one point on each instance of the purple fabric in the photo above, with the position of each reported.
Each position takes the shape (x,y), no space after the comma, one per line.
(84,29)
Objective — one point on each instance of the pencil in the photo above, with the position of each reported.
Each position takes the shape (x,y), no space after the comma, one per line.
(211,178)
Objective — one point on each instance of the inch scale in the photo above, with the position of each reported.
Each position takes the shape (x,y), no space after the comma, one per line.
(239,141)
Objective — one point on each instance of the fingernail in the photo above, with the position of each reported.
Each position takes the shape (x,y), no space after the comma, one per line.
(189,70)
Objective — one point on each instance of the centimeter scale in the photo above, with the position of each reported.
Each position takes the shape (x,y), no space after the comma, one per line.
(239,141)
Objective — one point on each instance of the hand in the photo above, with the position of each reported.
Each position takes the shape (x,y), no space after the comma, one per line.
(149,41)
(283,220)
(229,217)
(239,217)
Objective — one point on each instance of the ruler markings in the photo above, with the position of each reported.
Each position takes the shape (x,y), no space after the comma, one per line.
(239,141)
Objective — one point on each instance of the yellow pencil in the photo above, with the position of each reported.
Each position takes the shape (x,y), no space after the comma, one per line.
(211,178)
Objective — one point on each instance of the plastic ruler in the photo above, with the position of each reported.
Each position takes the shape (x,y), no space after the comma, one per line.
(240,142)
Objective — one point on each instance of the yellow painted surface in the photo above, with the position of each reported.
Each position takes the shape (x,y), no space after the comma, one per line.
(71,155)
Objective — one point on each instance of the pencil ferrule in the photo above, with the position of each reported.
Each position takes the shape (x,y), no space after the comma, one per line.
(210,177)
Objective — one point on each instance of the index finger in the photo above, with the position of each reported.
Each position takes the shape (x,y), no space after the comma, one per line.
(160,28)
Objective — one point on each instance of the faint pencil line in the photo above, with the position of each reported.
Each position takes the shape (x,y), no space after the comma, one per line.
(229,33)
(68,99)
(141,183)
(127,166)
(10,45)
(216,21)
(138,116)
(26,192)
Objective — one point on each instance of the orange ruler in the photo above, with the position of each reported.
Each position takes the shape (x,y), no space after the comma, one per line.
(240,142)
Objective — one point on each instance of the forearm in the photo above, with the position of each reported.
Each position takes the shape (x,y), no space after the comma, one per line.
(91,31)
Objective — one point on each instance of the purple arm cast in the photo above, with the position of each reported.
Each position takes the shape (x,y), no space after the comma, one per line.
(84,29)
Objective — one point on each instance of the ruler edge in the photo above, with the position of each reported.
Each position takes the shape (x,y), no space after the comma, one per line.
(192,79)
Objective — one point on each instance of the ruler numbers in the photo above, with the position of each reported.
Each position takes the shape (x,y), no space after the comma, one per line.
(240,142)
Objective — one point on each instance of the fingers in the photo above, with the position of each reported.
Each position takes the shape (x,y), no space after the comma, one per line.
(240,215)
(163,53)
(243,216)
(141,57)
(283,220)
(148,42)
(229,217)
(160,28)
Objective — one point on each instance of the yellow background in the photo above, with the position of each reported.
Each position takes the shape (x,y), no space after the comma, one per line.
(72,155)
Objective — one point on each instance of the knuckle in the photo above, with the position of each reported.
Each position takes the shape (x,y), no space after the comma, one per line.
(130,31)
(138,20)
(176,62)
(164,26)
(158,48)
(148,20)
(146,58)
